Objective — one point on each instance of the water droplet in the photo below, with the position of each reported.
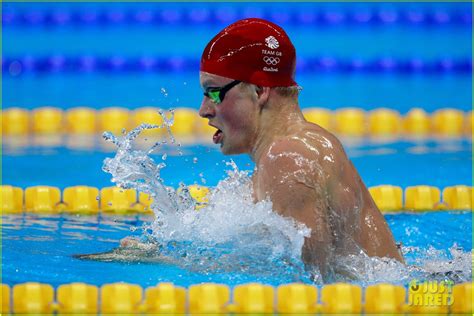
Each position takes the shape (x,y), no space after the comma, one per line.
(164,92)
(230,218)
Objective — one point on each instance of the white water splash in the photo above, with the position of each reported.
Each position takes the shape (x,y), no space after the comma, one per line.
(232,233)
(433,264)
(428,264)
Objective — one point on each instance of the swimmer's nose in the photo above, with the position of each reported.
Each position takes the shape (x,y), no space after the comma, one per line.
(207,109)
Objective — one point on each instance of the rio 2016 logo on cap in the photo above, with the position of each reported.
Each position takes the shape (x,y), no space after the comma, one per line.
(272,42)
(271,60)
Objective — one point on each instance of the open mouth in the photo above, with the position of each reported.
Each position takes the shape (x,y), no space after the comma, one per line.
(217,138)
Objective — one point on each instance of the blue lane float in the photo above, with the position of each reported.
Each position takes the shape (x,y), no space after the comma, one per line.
(115,64)
(224,15)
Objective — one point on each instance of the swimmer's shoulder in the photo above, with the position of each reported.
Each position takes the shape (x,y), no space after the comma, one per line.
(314,135)
(307,140)
(319,133)
(303,143)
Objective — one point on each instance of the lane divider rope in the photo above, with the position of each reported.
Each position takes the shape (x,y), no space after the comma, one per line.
(375,16)
(356,122)
(211,298)
(91,200)
(54,64)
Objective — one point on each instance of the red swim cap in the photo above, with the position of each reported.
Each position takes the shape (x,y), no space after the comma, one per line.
(254,51)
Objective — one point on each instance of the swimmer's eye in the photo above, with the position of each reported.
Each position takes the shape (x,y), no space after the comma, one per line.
(213,94)
(217,94)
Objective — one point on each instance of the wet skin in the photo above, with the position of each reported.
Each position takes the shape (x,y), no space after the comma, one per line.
(130,250)
(304,170)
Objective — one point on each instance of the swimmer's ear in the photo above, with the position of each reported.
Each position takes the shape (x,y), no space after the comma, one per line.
(262,95)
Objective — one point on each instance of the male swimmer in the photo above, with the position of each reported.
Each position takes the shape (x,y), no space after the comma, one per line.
(251,98)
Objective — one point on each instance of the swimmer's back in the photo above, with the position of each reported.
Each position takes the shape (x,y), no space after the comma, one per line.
(355,212)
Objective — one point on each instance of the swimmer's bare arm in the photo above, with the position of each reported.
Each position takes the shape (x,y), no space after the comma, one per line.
(351,201)
(289,176)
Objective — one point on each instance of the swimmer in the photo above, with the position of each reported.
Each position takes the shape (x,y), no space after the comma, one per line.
(251,98)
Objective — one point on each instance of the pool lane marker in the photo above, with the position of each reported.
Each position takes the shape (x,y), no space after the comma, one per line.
(79,298)
(350,121)
(201,15)
(115,200)
(16,66)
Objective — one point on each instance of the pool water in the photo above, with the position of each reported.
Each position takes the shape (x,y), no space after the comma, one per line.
(344,40)
(401,162)
(41,249)
(421,55)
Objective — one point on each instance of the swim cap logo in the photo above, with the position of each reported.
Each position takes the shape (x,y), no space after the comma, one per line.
(272,42)
(271,60)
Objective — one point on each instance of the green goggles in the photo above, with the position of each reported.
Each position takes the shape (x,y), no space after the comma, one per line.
(217,94)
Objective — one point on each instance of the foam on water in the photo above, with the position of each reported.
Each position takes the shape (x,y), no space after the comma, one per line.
(232,233)
(421,264)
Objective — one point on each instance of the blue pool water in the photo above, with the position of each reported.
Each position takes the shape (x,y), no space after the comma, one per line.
(401,39)
(40,42)
(400,162)
(40,248)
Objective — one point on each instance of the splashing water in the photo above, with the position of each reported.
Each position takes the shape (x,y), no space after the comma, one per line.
(428,264)
(232,233)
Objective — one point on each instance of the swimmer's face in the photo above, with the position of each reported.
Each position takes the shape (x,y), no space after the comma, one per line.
(234,117)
